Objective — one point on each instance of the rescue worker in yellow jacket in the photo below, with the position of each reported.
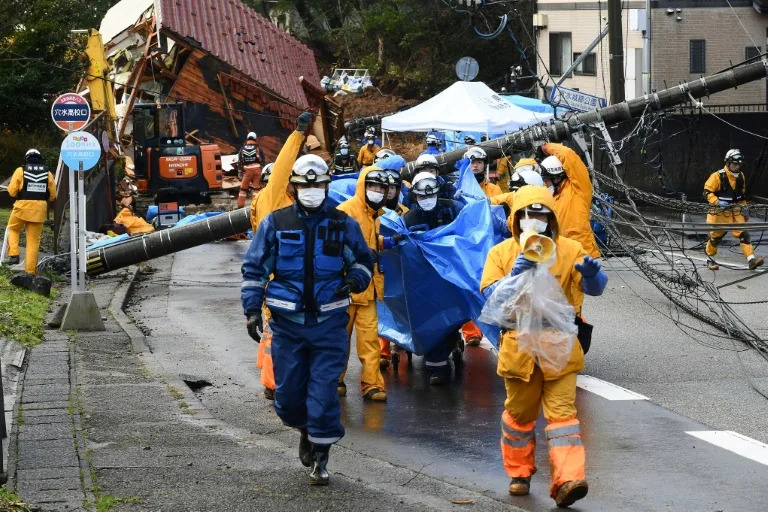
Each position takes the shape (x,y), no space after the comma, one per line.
(478,164)
(529,387)
(367,154)
(568,179)
(277,193)
(32,186)
(365,207)
(504,169)
(726,190)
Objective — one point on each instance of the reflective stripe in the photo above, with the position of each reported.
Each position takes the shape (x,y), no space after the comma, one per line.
(566,441)
(364,268)
(517,443)
(515,433)
(253,284)
(323,440)
(281,303)
(441,363)
(563,431)
(335,305)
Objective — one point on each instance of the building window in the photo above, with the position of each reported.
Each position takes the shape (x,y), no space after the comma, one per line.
(559,52)
(751,52)
(698,56)
(586,67)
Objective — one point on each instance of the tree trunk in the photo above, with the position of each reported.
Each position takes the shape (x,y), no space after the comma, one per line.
(381,62)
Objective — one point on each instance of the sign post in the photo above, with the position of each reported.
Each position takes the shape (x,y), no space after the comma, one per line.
(81,151)
(71,112)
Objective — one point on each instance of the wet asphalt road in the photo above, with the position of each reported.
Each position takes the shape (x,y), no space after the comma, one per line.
(639,456)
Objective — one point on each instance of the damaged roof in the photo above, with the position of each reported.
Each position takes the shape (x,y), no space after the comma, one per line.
(244,39)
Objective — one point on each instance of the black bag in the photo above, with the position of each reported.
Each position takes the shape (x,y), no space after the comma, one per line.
(585,333)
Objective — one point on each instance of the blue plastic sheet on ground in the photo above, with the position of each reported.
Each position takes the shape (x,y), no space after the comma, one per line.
(109,241)
(189,219)
(432,282)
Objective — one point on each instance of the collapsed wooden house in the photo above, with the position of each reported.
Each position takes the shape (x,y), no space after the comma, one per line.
(234,70)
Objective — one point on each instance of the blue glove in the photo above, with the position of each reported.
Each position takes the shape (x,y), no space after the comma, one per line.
(303,122)
(521,265)
(589,267)
(594,279)
(720,202)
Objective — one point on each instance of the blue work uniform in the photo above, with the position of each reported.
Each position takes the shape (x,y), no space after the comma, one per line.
(416,219)
(447,191)
(309,256)
(431,150)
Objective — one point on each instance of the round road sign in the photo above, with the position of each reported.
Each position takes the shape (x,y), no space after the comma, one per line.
(70,112)
(80,147)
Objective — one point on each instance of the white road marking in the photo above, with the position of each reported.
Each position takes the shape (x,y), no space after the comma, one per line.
(606,389)
(736,443)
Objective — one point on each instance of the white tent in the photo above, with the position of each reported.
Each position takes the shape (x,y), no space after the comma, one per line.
(464,106)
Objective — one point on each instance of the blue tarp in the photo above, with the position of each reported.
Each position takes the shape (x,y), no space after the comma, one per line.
(109,241)
(189,219)
(432,282)
(532,104)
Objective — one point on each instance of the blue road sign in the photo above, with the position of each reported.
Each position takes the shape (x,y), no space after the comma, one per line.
(80,147)
(571,99)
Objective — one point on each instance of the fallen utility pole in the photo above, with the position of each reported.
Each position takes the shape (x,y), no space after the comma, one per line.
(161,243)
(559,130)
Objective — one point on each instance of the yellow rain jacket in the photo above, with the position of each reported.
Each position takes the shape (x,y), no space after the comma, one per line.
(490,189)
(275,194)
(29,210)
(513,363)
(573,201)
(366,156)
(134,224)
(509,196)
(503,172)
(713,186)
(357,208)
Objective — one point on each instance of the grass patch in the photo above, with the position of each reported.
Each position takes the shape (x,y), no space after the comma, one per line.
(22,312)
(106,502)
(10,501)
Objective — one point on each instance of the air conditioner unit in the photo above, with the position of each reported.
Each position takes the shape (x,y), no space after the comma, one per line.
(540,21)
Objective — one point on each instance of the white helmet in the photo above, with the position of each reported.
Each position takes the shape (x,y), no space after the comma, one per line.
(733,155)
(523,177)
(32,153)
(266,172)
(425,161)
(382,154)
(552,166)
(425,184)
(432,140)
(251,135)
(310,169)
(476,153)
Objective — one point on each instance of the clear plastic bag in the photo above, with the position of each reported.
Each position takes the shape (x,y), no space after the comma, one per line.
(534,306)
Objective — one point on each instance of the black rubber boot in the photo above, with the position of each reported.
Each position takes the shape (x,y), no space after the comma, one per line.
(319,474)
(305,448)
(13,260)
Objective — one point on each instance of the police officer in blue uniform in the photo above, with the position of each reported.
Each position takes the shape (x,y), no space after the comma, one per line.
(318,257)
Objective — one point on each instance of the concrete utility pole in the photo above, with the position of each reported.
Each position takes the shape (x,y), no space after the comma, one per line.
(616,49)
(167,241)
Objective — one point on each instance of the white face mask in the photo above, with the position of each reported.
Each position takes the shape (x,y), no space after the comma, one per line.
(551,189)
(310,197)
(344,152)
(427,203)
(535,225)
(374,197)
